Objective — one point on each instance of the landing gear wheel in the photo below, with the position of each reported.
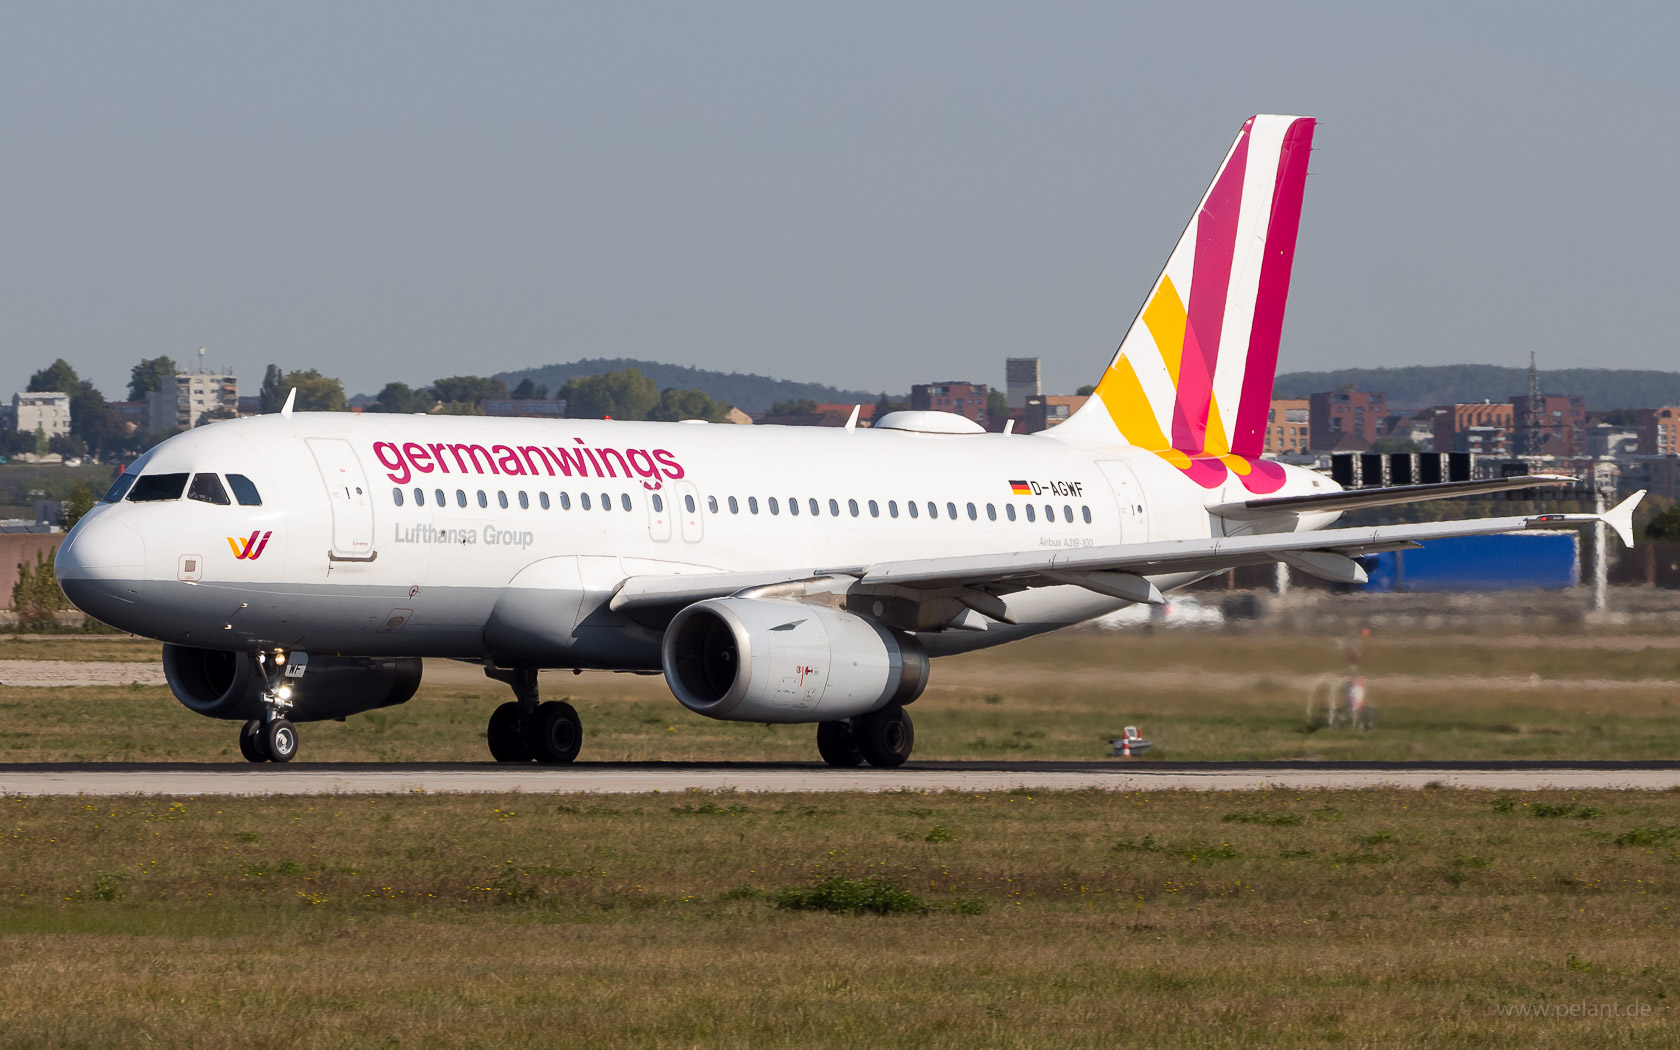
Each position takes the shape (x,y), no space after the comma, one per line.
(836,744)
(506,735)
(251,741)
(554,733)
(885,737)
(280,740)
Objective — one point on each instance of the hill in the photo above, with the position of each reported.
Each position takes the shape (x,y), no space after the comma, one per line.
(749,393)
(1419,386)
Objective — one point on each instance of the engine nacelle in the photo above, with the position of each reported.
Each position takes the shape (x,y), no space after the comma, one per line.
(755,660)
(222,684)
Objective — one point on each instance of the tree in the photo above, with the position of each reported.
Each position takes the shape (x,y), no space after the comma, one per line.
(67,445)
(274,389)
(36,595)
(57,376)
(886,404)
(800,406)
(397,397)
(215,414)
(1664,526)
(469,390)
(1086,390)
(78,503)
(315,392)
(148,376)
(997,404)
(620,395)
(1394,444)
(529,391)
(677,404)
(92,420)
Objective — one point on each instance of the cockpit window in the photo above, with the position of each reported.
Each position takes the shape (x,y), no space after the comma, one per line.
(157,488)
(246,492)
(119,488)
(207,488)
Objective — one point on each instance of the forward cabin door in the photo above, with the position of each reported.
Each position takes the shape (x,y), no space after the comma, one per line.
(347,493)
(1128,499)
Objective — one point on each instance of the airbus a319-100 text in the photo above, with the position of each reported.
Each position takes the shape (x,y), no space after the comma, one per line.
(297,566)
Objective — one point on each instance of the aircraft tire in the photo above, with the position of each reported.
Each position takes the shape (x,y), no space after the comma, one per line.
(555,733)
(836,744)
(885,737)
(251,741)
(507,742)
(280,740)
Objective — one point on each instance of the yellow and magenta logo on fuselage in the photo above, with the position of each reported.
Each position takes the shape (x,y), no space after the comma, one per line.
(250,548)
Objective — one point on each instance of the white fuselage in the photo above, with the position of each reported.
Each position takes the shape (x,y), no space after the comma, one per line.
(401,534)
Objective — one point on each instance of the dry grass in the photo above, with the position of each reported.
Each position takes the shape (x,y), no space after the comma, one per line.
(1182,919)
(1198,695)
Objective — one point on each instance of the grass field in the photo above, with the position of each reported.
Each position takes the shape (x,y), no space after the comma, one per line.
(1199,695)
(1380,918)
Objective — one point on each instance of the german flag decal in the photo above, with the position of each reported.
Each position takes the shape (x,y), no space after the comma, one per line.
(1020,488)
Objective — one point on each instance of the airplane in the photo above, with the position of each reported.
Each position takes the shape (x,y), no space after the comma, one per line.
(298,566)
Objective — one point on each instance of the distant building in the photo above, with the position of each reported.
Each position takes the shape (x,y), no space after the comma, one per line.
(1048,410)
(1287,426)
(738,417)
(1659,431)
(541,409)
(1549,425)
(1022,379)
(45,410)
(965,399)
(184,399)
(1607,439)
(249,406)
(131,414)
(1483,428)
(1346,420)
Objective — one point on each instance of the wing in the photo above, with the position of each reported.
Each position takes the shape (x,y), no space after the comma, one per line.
(1120,570)
(1355,499)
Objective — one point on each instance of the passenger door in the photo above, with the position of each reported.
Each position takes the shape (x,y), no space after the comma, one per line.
(347,493)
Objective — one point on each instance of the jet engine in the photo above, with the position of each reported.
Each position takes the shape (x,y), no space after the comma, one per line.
(229,685)
(757,660)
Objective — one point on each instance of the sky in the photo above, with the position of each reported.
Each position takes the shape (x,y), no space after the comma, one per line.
(862,194)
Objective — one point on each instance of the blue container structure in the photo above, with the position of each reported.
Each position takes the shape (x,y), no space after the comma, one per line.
(1516,561)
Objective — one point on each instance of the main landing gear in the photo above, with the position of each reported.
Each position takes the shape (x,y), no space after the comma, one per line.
(271,736)
(882,738)
(523,730)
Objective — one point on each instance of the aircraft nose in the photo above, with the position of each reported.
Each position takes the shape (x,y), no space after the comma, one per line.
(101,549)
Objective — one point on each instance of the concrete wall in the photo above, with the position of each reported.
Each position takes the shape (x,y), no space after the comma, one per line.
(16,547)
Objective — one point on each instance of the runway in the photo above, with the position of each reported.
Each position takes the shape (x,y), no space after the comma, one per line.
(119,778)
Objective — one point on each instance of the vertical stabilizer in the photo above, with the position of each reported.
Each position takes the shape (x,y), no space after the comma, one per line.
(1192,379)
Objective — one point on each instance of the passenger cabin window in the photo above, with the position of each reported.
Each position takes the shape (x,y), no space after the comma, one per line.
(542,498)
(460,497)
(501,498)
(583,500)
(1087,512)
(752,504)
(419,497)
(658,504)
(892,508)
(734,507)
(951,511)
(158,488)
(244,492)
(207,488)
(524,501)
(910,505)
(1030,516)
(816,511)
(688,502)
(119,488)
(774,508)
(1009,511)
(397,496)
(711,504)
(991,512)
(440,498)
(852,506)
(793,507)
(483,500)
(624,500)
(874,509)
(933,509)
(973,515)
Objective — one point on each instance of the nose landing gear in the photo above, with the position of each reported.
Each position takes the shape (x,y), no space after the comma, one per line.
(523,729)
(271,737)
